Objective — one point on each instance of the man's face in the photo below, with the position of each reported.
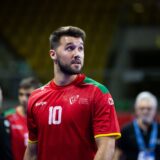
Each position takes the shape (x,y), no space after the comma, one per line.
(23,96)
(145,111)
(70,55)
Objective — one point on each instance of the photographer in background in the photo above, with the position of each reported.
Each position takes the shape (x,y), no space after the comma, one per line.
(141,138)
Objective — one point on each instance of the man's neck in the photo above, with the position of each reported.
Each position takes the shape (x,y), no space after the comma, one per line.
(20,109)
(62,79)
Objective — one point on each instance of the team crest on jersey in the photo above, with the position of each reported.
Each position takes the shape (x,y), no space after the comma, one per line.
(110,101)
(73,99)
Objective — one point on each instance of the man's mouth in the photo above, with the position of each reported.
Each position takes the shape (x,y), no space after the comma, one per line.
(76,62)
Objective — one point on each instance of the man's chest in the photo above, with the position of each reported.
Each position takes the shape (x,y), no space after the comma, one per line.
(63,108)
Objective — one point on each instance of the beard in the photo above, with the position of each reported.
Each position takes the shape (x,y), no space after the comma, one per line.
(66,69)
(24,104)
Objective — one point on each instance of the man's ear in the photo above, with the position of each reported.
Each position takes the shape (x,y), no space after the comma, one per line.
(53,55)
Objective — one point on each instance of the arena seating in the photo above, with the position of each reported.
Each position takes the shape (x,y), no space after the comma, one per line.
(27,24)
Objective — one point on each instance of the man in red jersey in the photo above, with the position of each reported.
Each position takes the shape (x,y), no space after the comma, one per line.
(72,117)
(17,118)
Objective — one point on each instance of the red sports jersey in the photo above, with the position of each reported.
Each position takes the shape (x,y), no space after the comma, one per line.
(19,134)
(65,120)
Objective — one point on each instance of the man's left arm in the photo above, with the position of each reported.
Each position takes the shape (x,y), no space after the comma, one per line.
(106,147)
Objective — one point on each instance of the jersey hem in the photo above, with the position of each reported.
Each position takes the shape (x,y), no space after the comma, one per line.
(117,135)
(29,141)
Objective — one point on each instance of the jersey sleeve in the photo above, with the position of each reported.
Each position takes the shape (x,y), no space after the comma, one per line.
(105,121)
(31,123)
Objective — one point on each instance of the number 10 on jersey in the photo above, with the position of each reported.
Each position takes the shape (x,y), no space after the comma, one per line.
(55,115)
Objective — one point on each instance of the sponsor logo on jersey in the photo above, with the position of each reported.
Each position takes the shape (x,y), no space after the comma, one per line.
(40,104)
(110,101)
(17,126)
(73,99)
(83,101)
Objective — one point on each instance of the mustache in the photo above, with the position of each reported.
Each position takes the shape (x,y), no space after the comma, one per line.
(76,61)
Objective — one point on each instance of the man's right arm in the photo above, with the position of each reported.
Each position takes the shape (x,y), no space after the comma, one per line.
(117,154)
(32,147)
(31,152)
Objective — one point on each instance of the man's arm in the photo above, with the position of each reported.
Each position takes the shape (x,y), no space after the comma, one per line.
(117,154)
(31,152)
(106,147)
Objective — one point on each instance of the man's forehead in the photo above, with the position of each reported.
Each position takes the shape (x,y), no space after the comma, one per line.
(71,40)
(144,103)
(26,90)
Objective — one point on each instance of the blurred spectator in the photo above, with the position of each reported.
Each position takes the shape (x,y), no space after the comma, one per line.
(17,119)
(141,138)
(5,146)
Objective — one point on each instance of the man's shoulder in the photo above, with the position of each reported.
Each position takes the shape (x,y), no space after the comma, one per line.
(9,112)
(95,84)
(41,90)
(12,115)
(38,94)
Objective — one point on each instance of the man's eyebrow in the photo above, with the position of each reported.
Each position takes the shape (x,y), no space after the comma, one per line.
(73,43)
(69,44)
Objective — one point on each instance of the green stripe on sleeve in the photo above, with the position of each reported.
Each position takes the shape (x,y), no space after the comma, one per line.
(97,84)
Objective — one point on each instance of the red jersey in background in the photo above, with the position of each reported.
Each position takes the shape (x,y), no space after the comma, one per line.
(19,134)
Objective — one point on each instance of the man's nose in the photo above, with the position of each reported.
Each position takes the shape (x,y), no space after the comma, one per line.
(145,111)
(77,53)
(77,56)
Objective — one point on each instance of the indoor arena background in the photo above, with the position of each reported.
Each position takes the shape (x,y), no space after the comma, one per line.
(122,49)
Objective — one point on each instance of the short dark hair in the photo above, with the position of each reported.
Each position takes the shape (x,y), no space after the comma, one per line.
(29,82)
(65,31)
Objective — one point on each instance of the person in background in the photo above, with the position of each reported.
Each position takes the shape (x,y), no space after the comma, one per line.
(5,144)
(141,138)
(72,117)
(17,119)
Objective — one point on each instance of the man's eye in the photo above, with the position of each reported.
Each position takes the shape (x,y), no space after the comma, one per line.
(81,48)
(70,48)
